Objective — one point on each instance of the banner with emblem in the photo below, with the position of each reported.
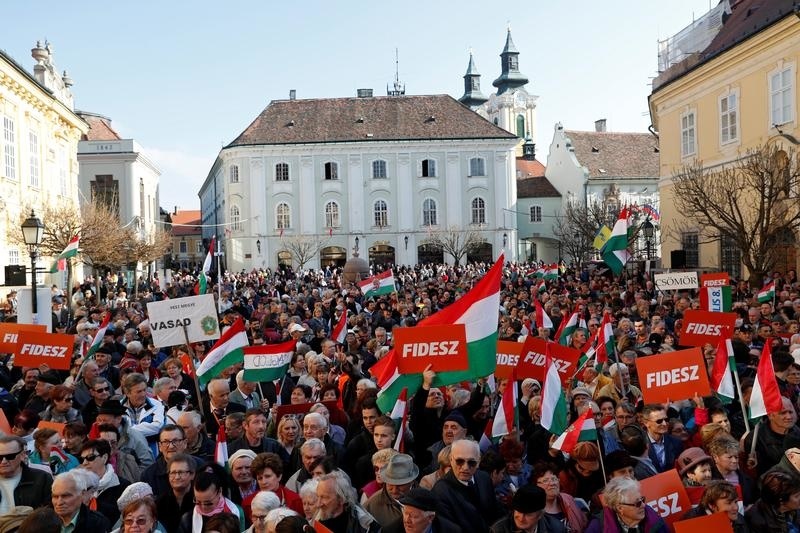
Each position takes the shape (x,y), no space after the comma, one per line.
(182,320)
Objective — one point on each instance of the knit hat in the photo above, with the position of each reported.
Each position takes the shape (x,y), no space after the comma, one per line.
(238,454)
(134,491)
(529,499)
(456,417)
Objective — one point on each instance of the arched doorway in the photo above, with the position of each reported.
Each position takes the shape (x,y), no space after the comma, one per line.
(335,256)
(480,253)
(284,259)
(381,255)
(430,253)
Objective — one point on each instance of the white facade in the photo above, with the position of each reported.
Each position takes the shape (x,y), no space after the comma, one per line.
(514,111)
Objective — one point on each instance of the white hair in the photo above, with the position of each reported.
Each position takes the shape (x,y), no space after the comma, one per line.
(311,417)
(313,444)
(309,488)
(194,416)
(265,501)
(85,479)
(275,516)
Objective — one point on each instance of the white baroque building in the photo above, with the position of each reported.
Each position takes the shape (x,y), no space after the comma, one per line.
(378,173)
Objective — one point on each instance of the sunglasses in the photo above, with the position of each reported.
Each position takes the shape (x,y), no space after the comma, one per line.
(103,389)
(638,503)
(10,456)
(472,463)
(89,458)
(660,421)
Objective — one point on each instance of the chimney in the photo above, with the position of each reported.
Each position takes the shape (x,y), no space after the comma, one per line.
(175,212)
(364,93)
(292,94)
(600,125)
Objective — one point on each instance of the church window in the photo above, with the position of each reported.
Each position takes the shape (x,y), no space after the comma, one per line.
(379,169)
(478,211)
(536,213)
(331,215)
(234,173)
(283,218)
(429,214)
(331,170)
(428,168)
(477,166)
(521,126)
(381,214)
(236,219)
(282,172)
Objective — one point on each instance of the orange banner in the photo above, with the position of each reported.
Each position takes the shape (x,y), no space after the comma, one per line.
(715,279)
(666,495)
(58,426)
(35,348)
(442,347)
(9,332)
(531,362)
(508,353)
(717,522)
(673,376)
(701,327)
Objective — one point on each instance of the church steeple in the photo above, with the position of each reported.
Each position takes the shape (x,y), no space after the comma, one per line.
(473,97)
(510,76)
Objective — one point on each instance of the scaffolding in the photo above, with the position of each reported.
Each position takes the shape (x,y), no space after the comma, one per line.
(692,39)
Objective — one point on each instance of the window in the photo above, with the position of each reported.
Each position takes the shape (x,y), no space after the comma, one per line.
(429,217)
(730,257)
(105,190)
(781,85)
(536,213)
(234,173)
(331,171)
(9,150)
(182,247)
(428,168)
(282,172)
(236,219)
(283,218)
(477,166)
(478,211)
(381,214)
(63,168)
(688,134)
(728,118)
(332,215)
(33,148)
(13,258)
(379,169)
(690,244)
(198,247)
(521,126)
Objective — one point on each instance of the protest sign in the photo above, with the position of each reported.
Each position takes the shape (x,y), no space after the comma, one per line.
(198,314)
(673,376)
(508,353)
(9,332)
(57,426)
(670,281)
(717,522)
(303,408)
(715,279)
(35,348)
(443,347)
(701,327)
(666,495)
(532,360)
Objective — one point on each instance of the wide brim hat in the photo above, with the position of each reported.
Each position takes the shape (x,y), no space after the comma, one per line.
(399,470)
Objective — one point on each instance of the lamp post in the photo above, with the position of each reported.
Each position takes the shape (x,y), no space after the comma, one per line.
(649,230)
(405,239)
(32,232)
(505,240)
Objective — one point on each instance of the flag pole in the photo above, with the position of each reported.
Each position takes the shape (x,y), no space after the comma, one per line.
(741,398)
(194,372)
(219,275)
(602,464)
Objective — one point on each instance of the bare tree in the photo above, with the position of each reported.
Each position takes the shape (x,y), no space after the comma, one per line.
(577,225)
(752,202)
(303,247)
(456,241)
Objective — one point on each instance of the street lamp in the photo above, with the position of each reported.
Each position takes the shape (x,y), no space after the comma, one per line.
(648,229)
(505,240)
(258,246)
(356,244)
(32,231)
(406,241)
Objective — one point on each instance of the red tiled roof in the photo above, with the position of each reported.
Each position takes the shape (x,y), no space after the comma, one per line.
(527,168)
(99,128)
(367,119)
(188,216)
(611,155)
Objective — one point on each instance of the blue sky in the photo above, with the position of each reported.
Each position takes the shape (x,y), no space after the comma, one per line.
(184,78)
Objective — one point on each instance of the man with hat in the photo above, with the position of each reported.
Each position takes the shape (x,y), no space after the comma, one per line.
(527,514)
(454,428)
(619,463)
(420,515)
(399,476)
(130,440)
(41,397)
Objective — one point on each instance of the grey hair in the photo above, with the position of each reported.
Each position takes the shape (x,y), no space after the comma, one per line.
(309,488)
(134,347)
(368,383)
(85,479)
(194,416)
(265,501)
(344,488)
(467,442)
(275,516)
(160,383)
(131,380)
(383,456)
(460,397)
(318,417)
(78,481)
(313,444)
(616,489)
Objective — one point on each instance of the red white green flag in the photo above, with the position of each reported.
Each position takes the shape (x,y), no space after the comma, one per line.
(506,418)
(584,429)
(766,396)
(267,362)
(542,318)
(721,372)
(554,404)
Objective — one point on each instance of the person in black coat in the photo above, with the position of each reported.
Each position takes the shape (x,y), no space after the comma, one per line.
(466,495)
(68,505)
(416,506)
(217,406)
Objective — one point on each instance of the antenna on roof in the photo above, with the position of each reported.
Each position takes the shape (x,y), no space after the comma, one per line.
(399,88)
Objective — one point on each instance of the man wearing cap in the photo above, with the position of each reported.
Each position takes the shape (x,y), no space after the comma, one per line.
(420,515)
(454,428)
(130,440)
(527,514)
(399,477)
(41,397)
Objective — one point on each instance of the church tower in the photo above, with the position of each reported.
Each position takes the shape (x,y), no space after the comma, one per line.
(473,97)
(510,76)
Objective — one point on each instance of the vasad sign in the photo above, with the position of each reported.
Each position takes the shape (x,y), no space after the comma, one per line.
(673,376)
(671,281)
(700,327)
(196,315)
(442,347)
(532,359)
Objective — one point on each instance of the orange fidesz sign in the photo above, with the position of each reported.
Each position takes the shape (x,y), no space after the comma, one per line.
(52,349)
(673,376)
(442,347)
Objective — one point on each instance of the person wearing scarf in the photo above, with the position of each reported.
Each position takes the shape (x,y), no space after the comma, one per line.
(94,457)
(209,501)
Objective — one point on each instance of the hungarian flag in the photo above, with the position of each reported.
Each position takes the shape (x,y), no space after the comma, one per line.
(584,429)
(487,441)
(542,319)
(541,287)
(221,449)
(721,377)
(202,288)
(267,362)
(58,459)
(400,416)
(339,331)
(554,405)
(566,329)
(767,294)
(506,417)
(602,345)
(615,250)
(551,273)
(766,397)
(378,285)
(71,250)
(98,337)
(478,310)
(227,351)
(539,272)
(717,299)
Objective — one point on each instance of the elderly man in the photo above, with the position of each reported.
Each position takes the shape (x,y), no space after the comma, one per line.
(419,508)
(315,426)
(171,442)
(311,451)
(24,390)
(179,500)
(454,428)
(621,388)
(338,510)
(465,493)
(197,442)
(776,433)
(41,398)
(99,391)
(162,388)
(19,484)
(146,415)
(399,476)
(219,405)
(81,387)
(103,357)
(246,394)
(67,501)
(130,440)
(254,438)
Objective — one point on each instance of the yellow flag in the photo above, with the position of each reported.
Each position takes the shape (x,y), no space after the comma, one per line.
(601,237)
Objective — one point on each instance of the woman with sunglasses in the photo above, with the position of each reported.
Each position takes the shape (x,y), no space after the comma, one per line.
(625,510)
(61,410)
(94,457)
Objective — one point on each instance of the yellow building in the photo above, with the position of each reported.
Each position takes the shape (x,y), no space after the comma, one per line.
(728,83)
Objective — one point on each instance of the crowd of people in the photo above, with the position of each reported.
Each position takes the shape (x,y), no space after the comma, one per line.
(131,444)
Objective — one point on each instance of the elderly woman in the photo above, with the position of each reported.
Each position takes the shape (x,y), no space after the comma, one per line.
(267,469)
(61,410)
(517,472)
(140,516)
(725,454)
(379,460)
(47,451)
(559,505)
(173,367)
(95,456)
(720,497)
(308,493)
(777,509)
(262,504)
(624,509)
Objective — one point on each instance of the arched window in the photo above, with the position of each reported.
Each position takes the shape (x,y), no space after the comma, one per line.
(236,219)
(331,215)
(381,214)
(477,166)
(429,214)
(234,173)
(331,170)
(428,168)
(379,169)
(521,126)
(283,217)
(478,211)
(282,172)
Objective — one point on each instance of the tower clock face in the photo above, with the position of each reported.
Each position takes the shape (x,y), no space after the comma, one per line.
(519,100)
